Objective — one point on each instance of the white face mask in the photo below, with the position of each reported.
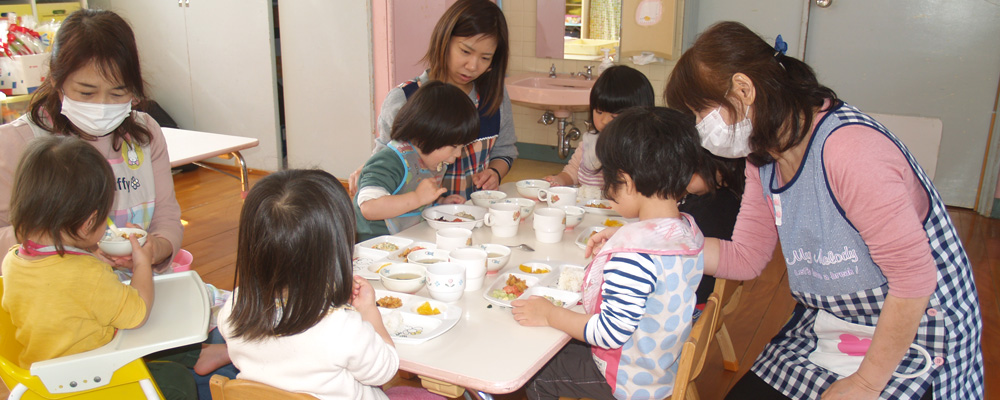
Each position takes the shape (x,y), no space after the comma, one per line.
(95,119)
(730,141)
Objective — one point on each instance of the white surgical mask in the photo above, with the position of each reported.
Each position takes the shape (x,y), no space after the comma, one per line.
(730,141)
(95,119)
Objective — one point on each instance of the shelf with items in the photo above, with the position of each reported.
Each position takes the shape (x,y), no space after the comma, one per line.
(12,107)
(43,10)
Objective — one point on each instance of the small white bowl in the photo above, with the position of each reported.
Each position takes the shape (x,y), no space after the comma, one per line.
(406,278)
(120,246)
(529,187)
(527,205)
(427,256)
(432,215)
(486,198)
(497,256)
(574,215)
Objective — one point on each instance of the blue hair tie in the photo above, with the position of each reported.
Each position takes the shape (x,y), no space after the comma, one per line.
(780,46)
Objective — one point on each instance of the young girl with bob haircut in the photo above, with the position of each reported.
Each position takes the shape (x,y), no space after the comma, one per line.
(298,321)
(468,49)
(644,276)
(93,82)
(618,88)
(401,179)
(63,190)
(825,179)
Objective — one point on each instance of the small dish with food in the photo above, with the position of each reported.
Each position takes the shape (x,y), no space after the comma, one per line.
(508,287)
(119,245)
(454,216)
(497,256)
(404,277)
(535,268)
(486,198)
(428,256)
(529,187)
(385,243)
(581,240)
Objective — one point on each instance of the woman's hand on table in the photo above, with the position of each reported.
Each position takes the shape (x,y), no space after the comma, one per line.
(453,199)
(533,311)
(596,242)
(486,179)
(851,387)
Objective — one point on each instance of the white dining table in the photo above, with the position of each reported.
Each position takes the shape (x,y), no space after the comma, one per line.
(191,147)
(487,351)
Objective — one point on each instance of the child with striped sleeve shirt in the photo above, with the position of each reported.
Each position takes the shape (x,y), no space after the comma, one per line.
(638,292)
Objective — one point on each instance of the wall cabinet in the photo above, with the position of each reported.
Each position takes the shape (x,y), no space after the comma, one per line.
(210,64)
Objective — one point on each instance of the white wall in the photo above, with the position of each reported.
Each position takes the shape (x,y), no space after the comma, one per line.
(327,68)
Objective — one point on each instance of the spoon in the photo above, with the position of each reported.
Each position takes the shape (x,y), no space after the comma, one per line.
(452,217)
(114,228)
(524,247)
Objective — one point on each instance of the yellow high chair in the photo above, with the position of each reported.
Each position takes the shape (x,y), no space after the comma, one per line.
(116,370)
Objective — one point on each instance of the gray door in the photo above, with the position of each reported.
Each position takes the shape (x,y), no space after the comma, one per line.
(924,58)
(927,58)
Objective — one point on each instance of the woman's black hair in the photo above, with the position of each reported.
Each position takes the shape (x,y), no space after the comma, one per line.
(621,87)
(293,259)
(437,115)
(658,147)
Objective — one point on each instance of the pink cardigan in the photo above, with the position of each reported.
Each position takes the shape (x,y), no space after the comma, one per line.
(880,195)
(166,222)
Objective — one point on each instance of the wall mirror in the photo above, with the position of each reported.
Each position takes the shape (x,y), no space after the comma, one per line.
(581,29)
(584,27)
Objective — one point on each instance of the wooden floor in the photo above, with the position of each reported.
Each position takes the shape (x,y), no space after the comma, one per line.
(210,204)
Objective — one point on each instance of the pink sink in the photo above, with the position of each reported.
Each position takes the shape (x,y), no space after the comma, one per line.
(560,94)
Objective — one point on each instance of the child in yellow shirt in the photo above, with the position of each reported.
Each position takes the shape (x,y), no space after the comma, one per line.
(61,298)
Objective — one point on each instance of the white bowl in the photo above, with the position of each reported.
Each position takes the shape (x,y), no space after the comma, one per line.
(432,215)
(527,205)
(427,256)
(446,281)
(406,278)
(486,198)
(497,256)
(120,246)
(574,215)
(529,187)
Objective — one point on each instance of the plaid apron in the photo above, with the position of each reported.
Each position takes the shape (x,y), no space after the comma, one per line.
(950,329)
(475,156)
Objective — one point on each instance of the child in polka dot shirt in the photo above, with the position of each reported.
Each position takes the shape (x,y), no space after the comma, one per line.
(639,291)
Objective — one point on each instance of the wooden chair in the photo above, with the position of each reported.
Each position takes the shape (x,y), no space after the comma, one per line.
(729,292)
(238,389)
(694,351)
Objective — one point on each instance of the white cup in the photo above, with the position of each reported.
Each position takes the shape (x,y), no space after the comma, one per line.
(504,231)
(547,236)
(453,238)
(446,281)
(558,196)
(503,214)
(474,261)
(549,219)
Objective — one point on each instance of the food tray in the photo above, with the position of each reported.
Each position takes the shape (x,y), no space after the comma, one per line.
(400,256)
(416,328)
(367,260)
(581,240)
(364,259)
(545,284)
(588,206)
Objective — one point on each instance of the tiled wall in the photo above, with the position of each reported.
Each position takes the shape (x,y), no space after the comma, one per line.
(521,24)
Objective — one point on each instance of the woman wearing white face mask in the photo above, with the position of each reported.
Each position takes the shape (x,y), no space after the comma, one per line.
(887,307)
(94,79)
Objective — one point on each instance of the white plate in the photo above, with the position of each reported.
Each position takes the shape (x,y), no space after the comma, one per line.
(581,240)
(569,299)
(364,258)
(431,214)
(418,328)
(595,210)
(399,242)
(501,281)
(400,256)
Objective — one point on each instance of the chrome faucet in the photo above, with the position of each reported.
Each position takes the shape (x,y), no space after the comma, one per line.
(589,73)
(552,71)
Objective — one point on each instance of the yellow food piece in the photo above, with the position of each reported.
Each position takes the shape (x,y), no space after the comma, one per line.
(612,223)
(382,266)
(425,309)
(528,269)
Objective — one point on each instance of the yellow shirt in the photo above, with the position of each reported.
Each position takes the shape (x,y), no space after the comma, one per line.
(65,305)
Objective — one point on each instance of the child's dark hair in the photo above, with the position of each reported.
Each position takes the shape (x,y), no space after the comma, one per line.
(467,18)
(293,259)
(437,115)
(658,147)
(61,184)
(621,87)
